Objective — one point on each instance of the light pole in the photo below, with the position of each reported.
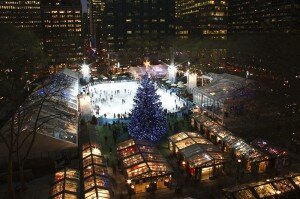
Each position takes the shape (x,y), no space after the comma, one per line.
(238,170)
(86,72)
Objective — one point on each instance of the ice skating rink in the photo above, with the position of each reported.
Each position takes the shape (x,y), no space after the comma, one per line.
(117,98)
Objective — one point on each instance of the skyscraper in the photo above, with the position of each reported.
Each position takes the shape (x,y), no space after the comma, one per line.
(203,18)
(57,23)
(117,21)
(246,16)
(95,14)
(62,32)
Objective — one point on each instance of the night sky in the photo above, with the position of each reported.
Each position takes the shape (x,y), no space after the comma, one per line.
(83,5)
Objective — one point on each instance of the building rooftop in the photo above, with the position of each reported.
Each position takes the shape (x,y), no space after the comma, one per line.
(225,86)
(66,184)
(197,150)
(96,181)
(278,187)
(141,159)
(238,145)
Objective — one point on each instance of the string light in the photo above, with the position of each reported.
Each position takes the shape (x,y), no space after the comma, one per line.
(148,121)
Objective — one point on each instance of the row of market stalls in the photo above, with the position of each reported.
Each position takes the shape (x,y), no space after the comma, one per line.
(199,156)
(144,168)
(92,182)
(96,182)
(256,157)
(287,186)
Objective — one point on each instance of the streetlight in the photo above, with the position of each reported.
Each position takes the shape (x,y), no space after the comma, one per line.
(85,71)
(238,170)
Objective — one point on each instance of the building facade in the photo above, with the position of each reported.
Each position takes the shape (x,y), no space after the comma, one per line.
(225,96)
(272,16)
(62,32)
(125,20)
(22,14)
(58,24)
(201,19)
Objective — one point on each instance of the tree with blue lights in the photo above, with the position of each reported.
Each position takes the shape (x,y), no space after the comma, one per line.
(148,121)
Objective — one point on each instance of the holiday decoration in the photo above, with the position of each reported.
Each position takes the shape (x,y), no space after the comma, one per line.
(148,120)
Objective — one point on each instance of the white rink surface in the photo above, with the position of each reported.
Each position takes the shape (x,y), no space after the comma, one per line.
(109,98)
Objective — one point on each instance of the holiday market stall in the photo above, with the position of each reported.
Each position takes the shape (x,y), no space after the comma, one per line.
(96,183)
(199,156)
(278,156)
(277,187)
(229,141)
(212,133)
(253,160)
(145,169)
(206,125)
(197,120)
(66,184)
(218,135)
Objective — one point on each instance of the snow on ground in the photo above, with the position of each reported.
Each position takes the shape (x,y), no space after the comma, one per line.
(117,98)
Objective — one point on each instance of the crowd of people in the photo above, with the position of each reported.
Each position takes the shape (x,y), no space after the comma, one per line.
(116,101)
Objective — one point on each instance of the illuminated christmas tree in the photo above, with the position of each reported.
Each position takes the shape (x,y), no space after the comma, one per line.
(148,120)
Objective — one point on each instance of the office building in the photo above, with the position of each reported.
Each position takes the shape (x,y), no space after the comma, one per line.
(22,14)
(95,13)
(56,23)
(125,20)
(62,32)
(201,19)
(272,16)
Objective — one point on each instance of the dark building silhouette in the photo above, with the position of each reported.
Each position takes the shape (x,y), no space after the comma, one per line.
(95,13)
(115,22)
(85,25)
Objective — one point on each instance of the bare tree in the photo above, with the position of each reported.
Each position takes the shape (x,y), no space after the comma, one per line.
(30,100)
(42,112)
(21,59)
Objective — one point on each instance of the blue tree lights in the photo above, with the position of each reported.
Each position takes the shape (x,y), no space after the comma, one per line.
(148,121)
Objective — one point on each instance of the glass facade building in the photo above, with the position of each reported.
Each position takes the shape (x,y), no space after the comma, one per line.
(223,95)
